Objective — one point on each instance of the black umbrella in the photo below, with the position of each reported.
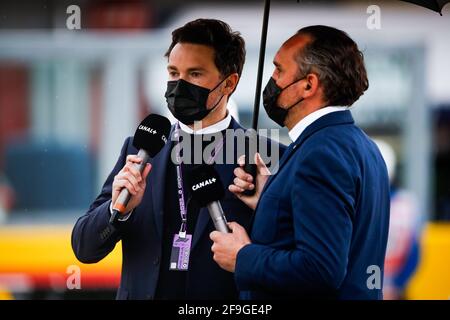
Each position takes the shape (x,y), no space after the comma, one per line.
(435,5)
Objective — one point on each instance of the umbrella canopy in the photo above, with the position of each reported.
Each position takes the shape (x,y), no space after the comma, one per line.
(435,5)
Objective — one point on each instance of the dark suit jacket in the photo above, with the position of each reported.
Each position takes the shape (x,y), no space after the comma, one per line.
(321,224)
(141,234)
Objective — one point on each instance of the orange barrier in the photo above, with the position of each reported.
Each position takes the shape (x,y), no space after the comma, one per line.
(41,256)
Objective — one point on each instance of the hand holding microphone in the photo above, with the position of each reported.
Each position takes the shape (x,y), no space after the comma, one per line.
(129,184)
(133,180)
(207,189)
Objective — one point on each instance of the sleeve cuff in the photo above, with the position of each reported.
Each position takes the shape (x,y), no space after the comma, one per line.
(123,217)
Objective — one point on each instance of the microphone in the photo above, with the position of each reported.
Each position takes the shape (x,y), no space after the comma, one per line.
(207,189)
(150,137)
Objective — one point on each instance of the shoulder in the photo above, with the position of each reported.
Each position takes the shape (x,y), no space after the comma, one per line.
(334,150)
(344,142)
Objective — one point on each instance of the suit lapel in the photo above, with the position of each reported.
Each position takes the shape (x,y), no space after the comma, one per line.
(158,182)
(283,159)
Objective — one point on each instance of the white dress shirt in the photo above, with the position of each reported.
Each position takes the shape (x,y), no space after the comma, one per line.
(214,128)
(298,129)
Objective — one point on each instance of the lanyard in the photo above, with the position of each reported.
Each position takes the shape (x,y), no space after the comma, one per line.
(180,191)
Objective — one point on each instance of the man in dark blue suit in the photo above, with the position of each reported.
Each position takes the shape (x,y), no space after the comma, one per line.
(205,61)
(321,222)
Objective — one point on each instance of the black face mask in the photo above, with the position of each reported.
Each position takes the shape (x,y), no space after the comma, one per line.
(270,96)
(187,101)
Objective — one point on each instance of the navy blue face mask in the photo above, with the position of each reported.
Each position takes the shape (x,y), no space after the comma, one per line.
(270,96)
(187,101)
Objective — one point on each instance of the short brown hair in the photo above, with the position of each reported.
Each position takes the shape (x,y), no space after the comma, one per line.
(228,45)
(337,61)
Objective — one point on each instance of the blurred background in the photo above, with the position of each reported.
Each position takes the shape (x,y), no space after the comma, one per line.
(69,98)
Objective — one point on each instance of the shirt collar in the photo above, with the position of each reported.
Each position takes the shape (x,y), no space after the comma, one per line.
(298,129)
(214,128)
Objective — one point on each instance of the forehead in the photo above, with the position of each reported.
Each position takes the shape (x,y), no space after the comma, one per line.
(190,54)
(289,49)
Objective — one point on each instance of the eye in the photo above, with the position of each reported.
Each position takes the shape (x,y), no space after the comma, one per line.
(195,74)
(173,74)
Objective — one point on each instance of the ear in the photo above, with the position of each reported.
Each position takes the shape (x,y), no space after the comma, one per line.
(231,83)
(312,85)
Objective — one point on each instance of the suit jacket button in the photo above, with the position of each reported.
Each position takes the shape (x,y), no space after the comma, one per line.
(156,261)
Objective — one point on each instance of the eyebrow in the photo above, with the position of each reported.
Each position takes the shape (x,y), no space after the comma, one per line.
(172,67)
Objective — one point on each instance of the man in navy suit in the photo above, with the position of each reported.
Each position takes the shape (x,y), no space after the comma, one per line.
(321,222)
(205,61)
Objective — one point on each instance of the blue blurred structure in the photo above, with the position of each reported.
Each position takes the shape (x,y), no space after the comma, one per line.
(50,175)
